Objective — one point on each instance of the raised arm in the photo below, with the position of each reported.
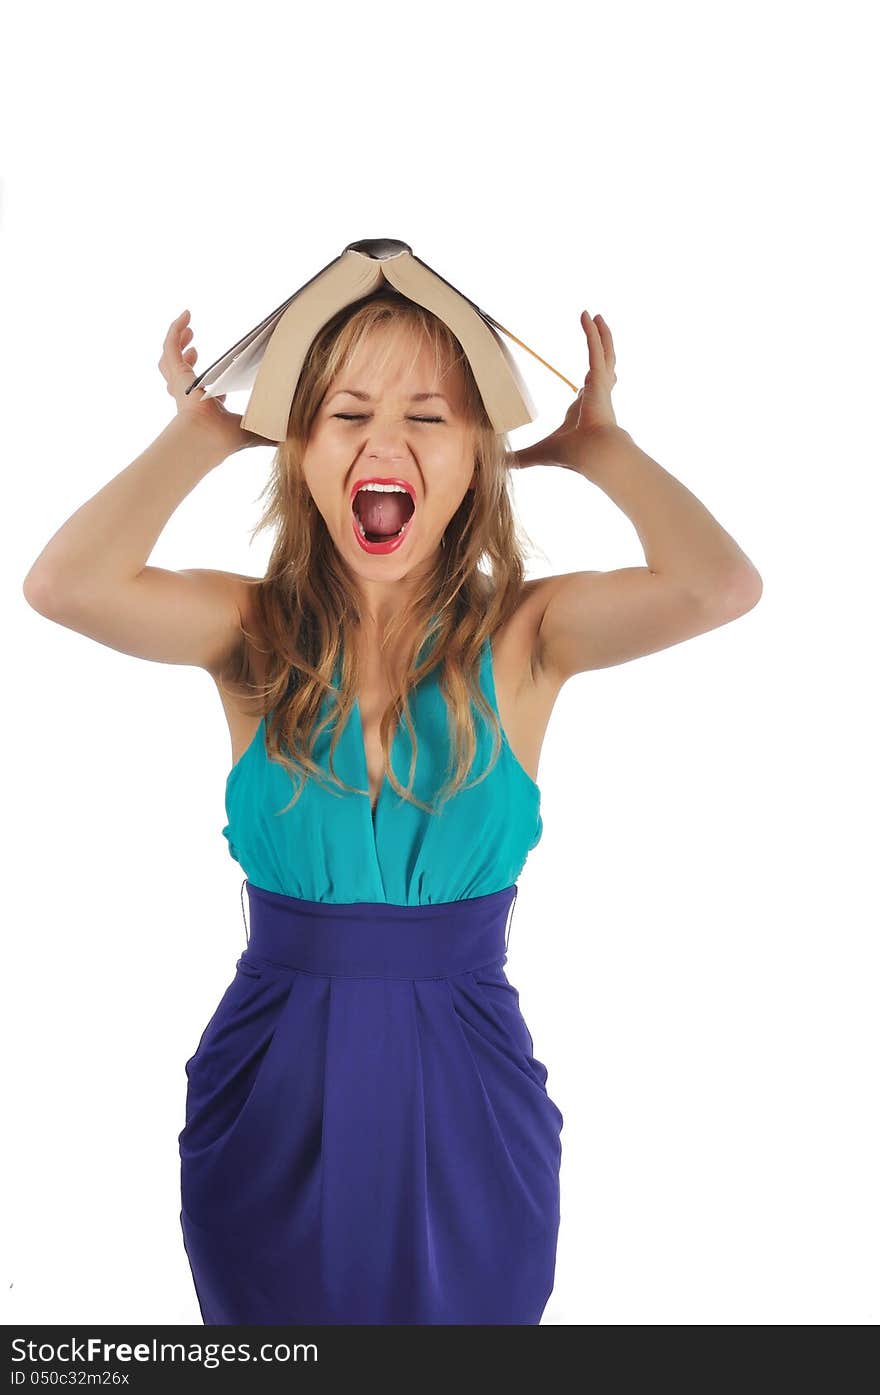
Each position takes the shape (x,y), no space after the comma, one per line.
(92,576)
(695,578)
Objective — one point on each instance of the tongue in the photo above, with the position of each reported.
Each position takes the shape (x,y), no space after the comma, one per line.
(384,514)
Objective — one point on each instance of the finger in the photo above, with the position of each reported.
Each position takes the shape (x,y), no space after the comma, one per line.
(597,331)
(594,343)
(177,325)
(171,342)
(607,341)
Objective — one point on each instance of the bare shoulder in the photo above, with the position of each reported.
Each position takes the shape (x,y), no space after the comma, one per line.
(515,644)
(235,591)
(525,693)
(242,658)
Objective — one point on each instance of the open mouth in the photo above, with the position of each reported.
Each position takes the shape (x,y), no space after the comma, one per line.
(382,512)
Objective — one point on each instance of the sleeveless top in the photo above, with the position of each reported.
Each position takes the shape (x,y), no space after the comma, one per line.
(331,846)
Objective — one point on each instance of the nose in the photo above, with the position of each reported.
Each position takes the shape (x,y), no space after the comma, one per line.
(386,442)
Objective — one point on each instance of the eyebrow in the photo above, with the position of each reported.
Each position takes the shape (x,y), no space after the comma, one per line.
(416,397)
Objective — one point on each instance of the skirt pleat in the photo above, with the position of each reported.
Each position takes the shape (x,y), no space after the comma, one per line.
(368,1133)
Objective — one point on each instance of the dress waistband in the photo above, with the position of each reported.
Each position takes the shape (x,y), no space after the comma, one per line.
(375,939)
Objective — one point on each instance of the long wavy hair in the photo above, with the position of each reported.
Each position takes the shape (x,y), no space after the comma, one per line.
(307,607)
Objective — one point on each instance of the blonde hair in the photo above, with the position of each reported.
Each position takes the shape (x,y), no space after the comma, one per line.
(306,607)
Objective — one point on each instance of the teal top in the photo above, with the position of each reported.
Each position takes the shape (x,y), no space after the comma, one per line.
(331,846)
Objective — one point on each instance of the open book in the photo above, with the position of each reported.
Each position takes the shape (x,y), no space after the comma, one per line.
(269,358)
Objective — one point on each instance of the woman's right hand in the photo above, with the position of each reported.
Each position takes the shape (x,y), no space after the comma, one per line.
(176,367)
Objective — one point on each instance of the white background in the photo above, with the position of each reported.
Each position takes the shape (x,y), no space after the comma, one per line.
(695,940)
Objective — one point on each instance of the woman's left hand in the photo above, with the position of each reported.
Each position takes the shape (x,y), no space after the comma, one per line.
(591,410)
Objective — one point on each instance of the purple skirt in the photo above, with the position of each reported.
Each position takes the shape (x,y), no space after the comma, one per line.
(368,1136)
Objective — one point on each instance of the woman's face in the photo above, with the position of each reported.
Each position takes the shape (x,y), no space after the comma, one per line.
(397,427)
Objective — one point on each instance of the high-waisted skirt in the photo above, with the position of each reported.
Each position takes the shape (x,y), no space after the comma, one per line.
(368,1135)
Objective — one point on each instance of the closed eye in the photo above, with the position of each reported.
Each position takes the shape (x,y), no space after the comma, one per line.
(360,416)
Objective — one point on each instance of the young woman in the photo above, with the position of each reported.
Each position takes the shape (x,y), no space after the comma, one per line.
(369,1137)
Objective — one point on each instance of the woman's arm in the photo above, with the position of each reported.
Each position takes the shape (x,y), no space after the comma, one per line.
(696,578)
(92,575)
